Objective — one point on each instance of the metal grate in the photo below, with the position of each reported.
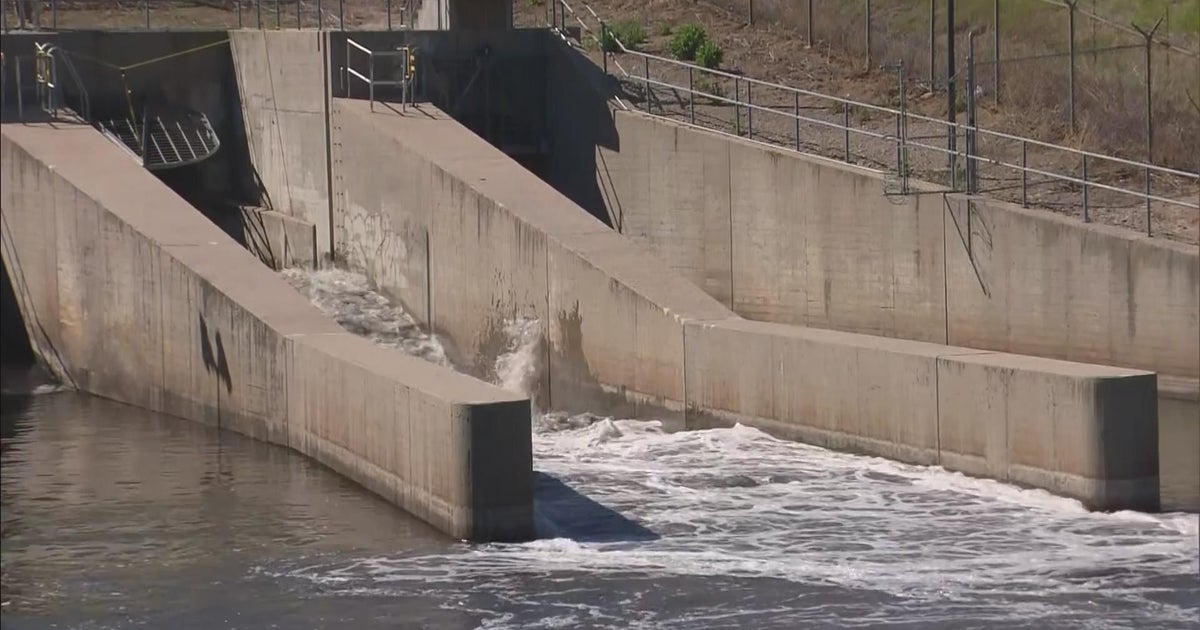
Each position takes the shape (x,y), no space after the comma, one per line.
(165,141)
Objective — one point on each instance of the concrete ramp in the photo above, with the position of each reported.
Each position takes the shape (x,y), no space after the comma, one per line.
(131,294)
(473,242)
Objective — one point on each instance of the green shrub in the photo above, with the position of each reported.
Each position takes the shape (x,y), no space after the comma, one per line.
(687,41)
(628,32)
(710,54)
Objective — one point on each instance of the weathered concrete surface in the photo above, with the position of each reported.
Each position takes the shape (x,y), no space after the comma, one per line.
(480,242)
(283,81)
(280,241)
(815,242)
(134,296)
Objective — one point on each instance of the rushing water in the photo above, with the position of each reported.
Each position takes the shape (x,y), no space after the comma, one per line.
(117,518)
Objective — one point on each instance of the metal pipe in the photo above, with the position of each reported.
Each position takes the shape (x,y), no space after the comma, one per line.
(1149,231)
(299,22)
(971,149)
(258,13)
(147,14)
(647,85)
(389,14)
(320,17)
(737,107)
(278,19)
(932,43)
(371,80)
(239,13)
(54,14)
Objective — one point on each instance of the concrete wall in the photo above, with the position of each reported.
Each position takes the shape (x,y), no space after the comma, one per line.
(279,241)
(792,238)
(132,295)
(469,240)
(282,80)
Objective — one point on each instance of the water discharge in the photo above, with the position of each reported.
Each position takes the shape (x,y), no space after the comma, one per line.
(733,528)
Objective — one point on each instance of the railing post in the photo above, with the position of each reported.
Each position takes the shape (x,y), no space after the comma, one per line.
(342,15)
(737,106)
(239,13)
(371,79)
(1086,217)
(258,14)
(647,59)
(299,20)
(1149,232)
(932,42)
(147,14)
(692,94)
(389,14)
(846,128)
(278,17)
(751,12)
(796,95)
(1024,174)
(971,150)
(54,14)
(749,111)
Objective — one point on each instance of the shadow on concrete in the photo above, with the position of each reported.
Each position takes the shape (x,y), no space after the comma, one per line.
(214,361)
(579,124)
(561,512)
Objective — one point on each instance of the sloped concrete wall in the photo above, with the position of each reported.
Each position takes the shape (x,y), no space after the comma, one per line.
(131,294)
(481,243)
(815,242)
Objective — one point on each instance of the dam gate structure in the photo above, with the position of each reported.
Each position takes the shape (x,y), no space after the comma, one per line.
(493,177)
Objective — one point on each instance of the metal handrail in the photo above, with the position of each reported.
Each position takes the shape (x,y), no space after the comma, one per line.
(560,10)
(406,55)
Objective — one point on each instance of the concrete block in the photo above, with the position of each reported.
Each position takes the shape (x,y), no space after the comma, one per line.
(1084,431)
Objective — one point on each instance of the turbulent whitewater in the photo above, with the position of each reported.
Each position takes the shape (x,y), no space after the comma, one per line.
(731,528)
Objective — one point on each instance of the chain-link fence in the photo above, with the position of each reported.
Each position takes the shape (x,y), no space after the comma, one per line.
(1130,89)
(206,14)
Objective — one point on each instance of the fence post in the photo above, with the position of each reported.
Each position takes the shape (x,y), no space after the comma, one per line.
(1149,38)
(868,34)
(647,84)
(932,43)
(299,22)
(810,23)
(320,17)
(389,14)
(951,98)
(1086,218)
(972,165)
(342,14)
(239,13)
(147,14)
(751,12)
(278,20)
(258,13)
(996,50)
(1071,87)
(1024,175)
(54,16)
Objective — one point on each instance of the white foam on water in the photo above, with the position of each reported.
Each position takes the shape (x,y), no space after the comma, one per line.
(760,532)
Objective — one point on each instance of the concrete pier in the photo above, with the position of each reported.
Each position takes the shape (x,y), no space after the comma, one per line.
(131,294)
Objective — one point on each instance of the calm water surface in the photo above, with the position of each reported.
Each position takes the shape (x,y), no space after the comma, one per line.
(118,518)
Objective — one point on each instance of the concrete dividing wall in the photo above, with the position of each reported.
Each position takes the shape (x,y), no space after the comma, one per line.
(282,77)
(130,294)
(814,242)
(473,242)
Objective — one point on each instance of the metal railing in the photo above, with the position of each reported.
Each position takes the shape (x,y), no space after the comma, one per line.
(47,84)
(278,14)
(687,92)
(408,58)
(161,144)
